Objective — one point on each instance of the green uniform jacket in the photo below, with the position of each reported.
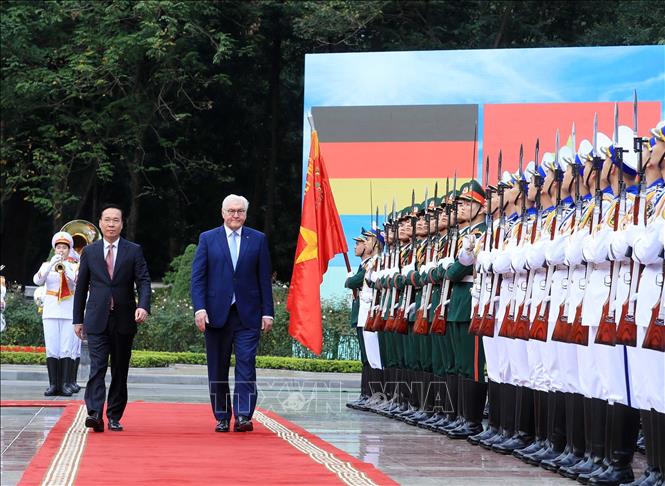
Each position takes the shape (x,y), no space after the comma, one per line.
(459,308)
(355,282)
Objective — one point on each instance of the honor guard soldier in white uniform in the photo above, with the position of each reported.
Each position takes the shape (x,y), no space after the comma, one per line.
(58,275)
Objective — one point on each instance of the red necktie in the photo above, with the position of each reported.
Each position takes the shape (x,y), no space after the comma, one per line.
(109,266)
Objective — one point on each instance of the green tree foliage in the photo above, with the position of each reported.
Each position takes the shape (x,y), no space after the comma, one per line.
(166,106)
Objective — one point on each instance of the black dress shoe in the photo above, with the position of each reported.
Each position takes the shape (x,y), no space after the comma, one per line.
(95,422)
(243,424)
(222,425)
(114,425)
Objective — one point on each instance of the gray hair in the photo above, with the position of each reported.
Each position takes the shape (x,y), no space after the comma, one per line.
(235,198)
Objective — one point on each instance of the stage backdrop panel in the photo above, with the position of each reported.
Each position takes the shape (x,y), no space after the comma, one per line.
(401,121)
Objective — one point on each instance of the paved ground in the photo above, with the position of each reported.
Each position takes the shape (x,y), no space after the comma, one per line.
(315,401)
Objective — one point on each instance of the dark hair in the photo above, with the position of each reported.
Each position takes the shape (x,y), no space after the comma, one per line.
(110,206)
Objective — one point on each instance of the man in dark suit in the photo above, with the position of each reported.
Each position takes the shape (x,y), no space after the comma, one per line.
(109,270)
(232,299)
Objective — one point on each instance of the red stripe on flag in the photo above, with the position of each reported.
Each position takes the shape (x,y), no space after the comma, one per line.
(398,159)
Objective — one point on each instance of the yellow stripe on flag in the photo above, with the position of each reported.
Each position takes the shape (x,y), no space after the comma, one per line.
(352,196)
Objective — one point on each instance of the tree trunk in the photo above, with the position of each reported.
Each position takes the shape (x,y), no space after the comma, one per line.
(135,191)
(273,96)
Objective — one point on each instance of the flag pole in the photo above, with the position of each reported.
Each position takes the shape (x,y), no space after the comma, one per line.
(310,119)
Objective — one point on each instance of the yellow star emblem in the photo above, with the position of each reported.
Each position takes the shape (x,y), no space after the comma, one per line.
(311,250)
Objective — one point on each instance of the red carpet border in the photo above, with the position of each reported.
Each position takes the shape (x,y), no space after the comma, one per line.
(174,443)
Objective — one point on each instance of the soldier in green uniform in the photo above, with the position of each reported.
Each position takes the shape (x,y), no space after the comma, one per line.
(467,349)
(355,282)
(452,399)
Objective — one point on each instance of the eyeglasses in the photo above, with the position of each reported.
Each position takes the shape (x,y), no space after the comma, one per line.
(239,212)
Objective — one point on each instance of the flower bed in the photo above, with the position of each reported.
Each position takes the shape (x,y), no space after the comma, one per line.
(22,349)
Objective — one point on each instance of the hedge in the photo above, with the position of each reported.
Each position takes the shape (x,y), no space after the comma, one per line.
(157,359)
(170,327)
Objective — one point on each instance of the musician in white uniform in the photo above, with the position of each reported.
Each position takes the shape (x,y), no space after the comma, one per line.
(58,275)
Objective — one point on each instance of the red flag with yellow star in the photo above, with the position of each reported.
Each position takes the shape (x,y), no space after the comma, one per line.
(320,238)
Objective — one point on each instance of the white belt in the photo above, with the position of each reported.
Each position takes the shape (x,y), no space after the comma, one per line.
(468,279)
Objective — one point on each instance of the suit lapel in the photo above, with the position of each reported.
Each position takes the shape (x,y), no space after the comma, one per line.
(121,256)
(244,245)
(224,244)
(102,260)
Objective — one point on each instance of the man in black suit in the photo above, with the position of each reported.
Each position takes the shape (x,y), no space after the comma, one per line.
(109,269)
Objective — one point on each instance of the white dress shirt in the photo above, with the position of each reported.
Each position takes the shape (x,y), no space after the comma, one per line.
(107,245)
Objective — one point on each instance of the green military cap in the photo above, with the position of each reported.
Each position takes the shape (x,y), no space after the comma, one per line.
(362,237)
(473,191)
(433,203)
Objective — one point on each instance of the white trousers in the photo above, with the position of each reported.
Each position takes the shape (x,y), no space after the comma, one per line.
(647,375)
(59,338)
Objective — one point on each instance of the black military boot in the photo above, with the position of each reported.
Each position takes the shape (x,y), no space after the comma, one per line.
(364,378)
(74,378)
(507,421)
(445,404)
(450,403)
(539,424)
(556,433)
(65,365)
(523,421)
(595,412)
(625,427)
(459,419)
(651,475)
(494,414)
(607,448)
(574,450)
(419,384)
(474,405)
(53,368)
(436,398)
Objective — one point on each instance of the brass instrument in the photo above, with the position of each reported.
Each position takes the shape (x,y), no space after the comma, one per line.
(59,267)
(83,233)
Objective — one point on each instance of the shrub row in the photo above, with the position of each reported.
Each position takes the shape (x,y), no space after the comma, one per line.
(157,359)
(170,327)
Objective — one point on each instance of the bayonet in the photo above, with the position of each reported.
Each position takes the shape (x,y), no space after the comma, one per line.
(635,113)
(615,137)
(595,134)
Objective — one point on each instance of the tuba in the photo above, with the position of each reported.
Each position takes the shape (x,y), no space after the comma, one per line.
(83,233)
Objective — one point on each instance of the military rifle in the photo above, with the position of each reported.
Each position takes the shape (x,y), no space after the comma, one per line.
(401,325)
(562,327)
(579,333)
(522,322)
(507,325)
(476,318)
(607,328)
(441,313)
(627,329)
(488,321)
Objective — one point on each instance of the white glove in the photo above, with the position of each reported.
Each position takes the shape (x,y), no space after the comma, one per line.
(574,248)
(466,257)
(408,268)
(484,260)
(350,274)
(468,242)
(555,250)
(446,262)
(374,276)
(535,255)
(55,259)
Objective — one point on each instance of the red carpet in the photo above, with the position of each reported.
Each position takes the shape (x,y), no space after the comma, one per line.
(169,443)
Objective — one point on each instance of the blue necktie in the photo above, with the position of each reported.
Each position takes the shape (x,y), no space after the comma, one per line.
(233,248)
